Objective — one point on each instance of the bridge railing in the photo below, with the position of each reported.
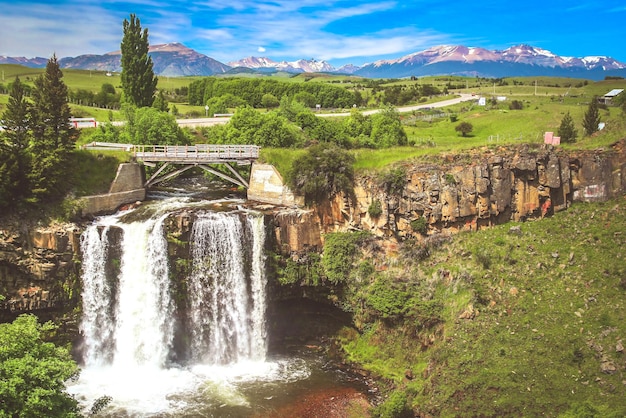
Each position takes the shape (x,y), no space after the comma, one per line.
(197,152)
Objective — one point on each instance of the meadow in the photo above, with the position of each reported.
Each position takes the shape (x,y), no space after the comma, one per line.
(545,100)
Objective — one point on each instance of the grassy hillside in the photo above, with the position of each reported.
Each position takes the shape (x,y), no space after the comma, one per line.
(530,320)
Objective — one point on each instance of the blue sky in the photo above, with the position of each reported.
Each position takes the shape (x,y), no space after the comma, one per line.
(338,31)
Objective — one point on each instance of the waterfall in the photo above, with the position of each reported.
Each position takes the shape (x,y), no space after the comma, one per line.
(144,316)
(227,289)
(129,321)
(138,318)
(97,295)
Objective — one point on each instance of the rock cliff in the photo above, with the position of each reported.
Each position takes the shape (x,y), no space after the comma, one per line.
(40,266)
(463,192)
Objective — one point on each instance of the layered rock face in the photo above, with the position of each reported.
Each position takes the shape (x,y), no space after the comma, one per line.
(465,192)
(39,268)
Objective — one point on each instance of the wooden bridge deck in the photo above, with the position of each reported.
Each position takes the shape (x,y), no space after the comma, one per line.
(197,154)
(188,156)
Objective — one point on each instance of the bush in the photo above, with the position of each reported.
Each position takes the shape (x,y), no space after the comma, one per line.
(393,181)
(516,105)
(375,209)
(340,250)
(324,171)
(396,406)
(419,225)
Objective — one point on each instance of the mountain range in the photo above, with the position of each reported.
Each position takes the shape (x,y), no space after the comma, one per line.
(175,59)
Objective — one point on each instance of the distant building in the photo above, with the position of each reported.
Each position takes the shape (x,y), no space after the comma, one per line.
(610,96)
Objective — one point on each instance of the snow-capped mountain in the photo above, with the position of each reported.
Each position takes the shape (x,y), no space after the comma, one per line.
(519,60)
(175,59)
(300,66)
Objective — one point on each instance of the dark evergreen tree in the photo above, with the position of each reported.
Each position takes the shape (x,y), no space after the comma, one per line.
(54,137)
(138,79)
(14,155)
(567,130)
(592,117)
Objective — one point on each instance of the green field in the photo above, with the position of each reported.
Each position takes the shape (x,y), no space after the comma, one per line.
(545,101)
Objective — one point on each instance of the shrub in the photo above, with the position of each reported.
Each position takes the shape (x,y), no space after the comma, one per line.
(419,225)
(393,181)
(322,172)
(340,250)
(375,209)
(450,180)
(395,406)
(516,105)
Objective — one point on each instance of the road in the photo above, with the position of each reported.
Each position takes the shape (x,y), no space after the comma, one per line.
(406,109)
(199,122)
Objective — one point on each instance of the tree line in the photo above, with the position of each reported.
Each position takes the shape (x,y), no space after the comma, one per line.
(37,141)
(252,91)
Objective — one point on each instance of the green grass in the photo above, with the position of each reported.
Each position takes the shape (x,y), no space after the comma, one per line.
(550,310)
(95,170)
(281,158)
(544,107)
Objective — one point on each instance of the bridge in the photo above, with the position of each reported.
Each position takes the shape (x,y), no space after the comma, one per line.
(188,156)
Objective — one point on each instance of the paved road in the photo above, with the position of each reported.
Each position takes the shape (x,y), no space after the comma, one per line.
(198,122)
(405,109)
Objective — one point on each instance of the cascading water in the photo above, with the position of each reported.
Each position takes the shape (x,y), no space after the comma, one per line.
(227,312)
(130,320)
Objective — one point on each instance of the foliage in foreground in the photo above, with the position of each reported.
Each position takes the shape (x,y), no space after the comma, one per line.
(33,372)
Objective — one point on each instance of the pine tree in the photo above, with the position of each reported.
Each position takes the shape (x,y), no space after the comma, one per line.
(14,155)
(54,138)
(138,79)
(592,117)
(567,130)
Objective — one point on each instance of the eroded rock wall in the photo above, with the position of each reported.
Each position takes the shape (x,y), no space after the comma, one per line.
(39,268)
(464,192)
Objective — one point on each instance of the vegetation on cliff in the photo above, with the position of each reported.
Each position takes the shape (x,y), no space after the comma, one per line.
(516,320)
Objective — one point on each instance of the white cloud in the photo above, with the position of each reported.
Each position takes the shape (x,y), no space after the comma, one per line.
(261,49)
(66,31)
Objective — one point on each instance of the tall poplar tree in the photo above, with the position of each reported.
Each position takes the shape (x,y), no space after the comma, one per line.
(138,79)
(54,137)
(14,155)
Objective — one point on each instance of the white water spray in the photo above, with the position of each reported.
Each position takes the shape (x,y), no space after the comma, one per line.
(130,321)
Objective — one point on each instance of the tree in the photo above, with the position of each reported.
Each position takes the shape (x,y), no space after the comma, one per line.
(322,172)
(591,118)
(269,101)
(464,128)
(387,130)
(149,126)
(54,138)
(14,155)
(138,79)
(567,130)
(33,372)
